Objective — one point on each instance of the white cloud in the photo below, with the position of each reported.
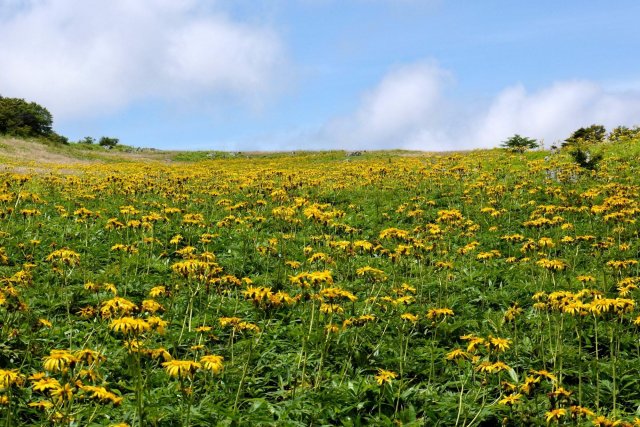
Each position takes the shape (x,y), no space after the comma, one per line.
(409,109)
(406,101)
(554,112)
(95,56)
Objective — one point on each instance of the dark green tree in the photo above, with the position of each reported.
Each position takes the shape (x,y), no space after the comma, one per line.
(21,118)
(520,144)
(585,158)
(593,134)
(623,134)
(108,142)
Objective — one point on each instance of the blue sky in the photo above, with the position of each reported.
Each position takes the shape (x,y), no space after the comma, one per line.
(323,74)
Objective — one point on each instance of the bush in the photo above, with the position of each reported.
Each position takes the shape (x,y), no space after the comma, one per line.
(87,140)
(108,142)
(585,159)
(57,138)
(520,144)
(25,119)
(624,134)
(593,134)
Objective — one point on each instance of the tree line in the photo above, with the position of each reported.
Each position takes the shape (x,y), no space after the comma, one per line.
(26,119)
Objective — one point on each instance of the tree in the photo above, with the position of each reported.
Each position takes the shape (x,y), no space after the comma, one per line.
(624,134)
(593,134)
(21,118)
(585,159)
(520,144)
(87,140)
(108,142)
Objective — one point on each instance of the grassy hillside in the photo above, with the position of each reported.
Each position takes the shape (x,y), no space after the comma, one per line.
(391,288)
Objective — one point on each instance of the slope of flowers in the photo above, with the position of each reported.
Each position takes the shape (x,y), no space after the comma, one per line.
(483,288)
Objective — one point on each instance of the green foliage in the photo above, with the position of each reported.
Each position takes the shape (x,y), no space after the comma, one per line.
(87,140)
(25,119)
(585,158)
(108,142)
(593,134)
(624,134)
(465,290)
(520,144)
(56,138)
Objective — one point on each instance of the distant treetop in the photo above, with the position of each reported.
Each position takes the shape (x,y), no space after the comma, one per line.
(520,144)
(26,119)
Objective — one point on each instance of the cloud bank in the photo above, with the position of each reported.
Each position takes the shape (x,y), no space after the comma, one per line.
(94,57)
(409,109)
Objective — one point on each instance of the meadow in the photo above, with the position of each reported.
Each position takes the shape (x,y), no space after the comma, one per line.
(462,289)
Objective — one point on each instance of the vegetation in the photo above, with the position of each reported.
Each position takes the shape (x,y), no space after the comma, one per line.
(89,140)
(520,144)
(108,142)
(26,119)
(321,289)
(20,118)
(585,158)
(593,134)
(624,134)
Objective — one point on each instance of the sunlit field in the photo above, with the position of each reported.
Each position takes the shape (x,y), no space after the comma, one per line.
(480,288)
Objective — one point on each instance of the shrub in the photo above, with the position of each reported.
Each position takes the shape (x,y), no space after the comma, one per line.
(57,138)
(108,142)
(585,158)
(26,119)
(520,144)
(590,135)
(623,134)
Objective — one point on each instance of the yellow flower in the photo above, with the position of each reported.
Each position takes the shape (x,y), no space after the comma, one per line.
(474,341)
(45,384)
(545,374)
(333,293)
(385,377)
(226,321)
(64,393)
(373,274)
(512,313)
(64,257)
(512,399)
(331,328)
(41,405)
(529,384)
(58,360)
(330,308)
(458,354)
(409,317)
(10,377)
(212,363)
(580,411)
(181,368)
(435,313)
(492,368)
(89,356)
(116,305)
(555,414)
(156,291)
(157,324)
(499,344)
(102,394)
(160,352)
(560,392)
(129,325)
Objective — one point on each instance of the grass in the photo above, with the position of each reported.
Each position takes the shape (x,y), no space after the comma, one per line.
(391,288)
